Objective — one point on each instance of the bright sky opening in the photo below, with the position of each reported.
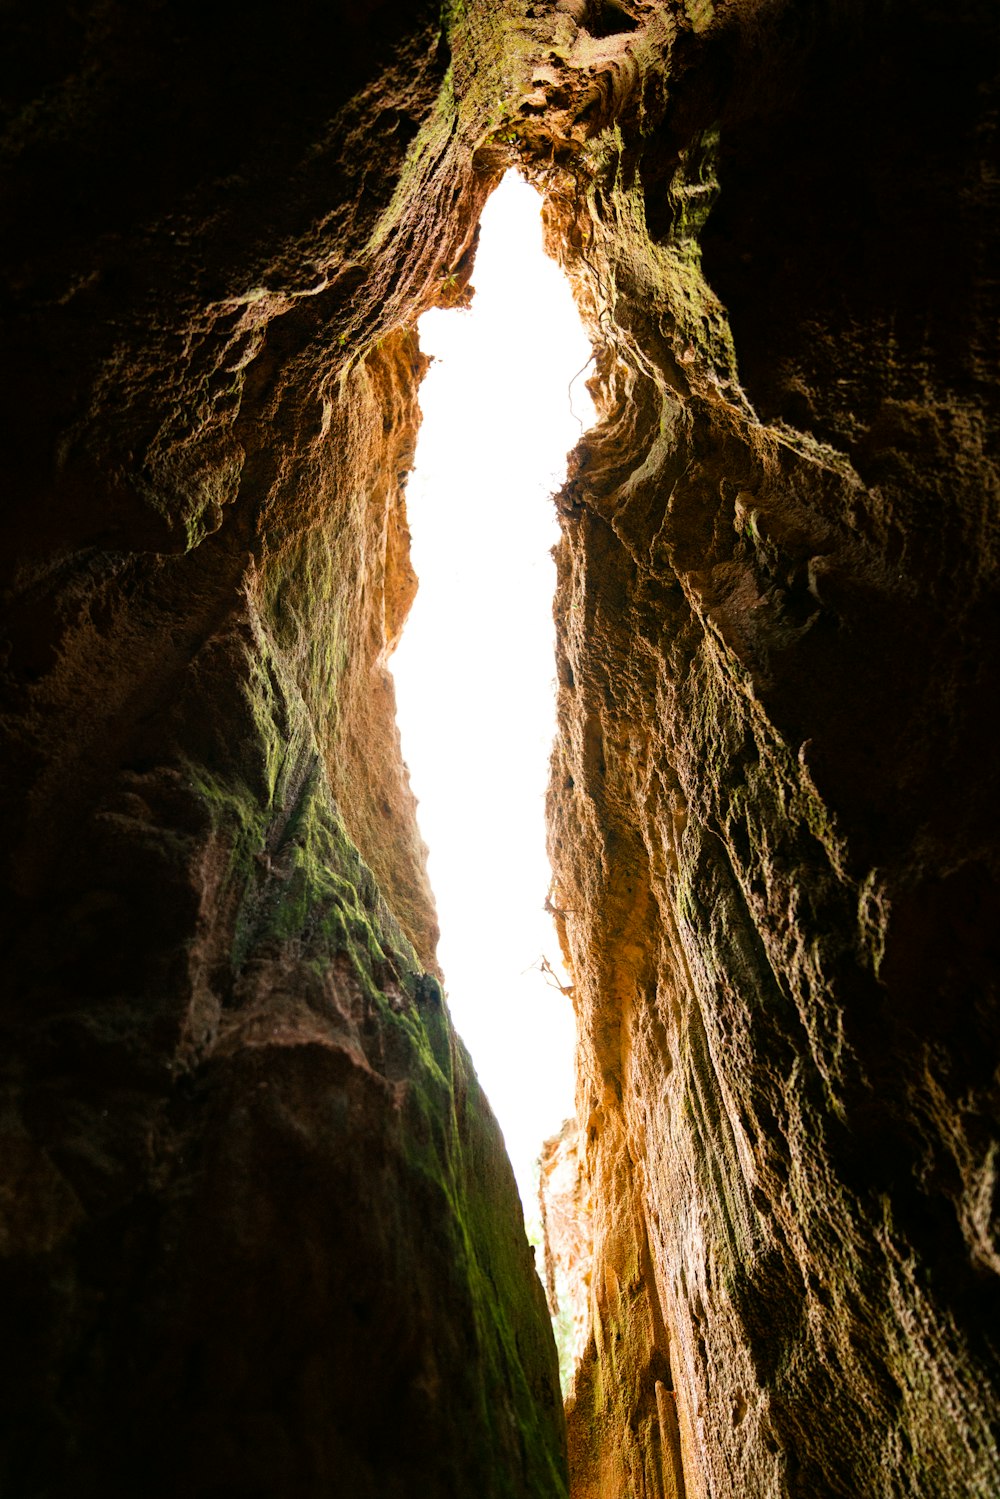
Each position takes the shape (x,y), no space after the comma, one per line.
(503,403)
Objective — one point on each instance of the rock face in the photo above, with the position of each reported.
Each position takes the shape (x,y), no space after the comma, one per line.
(773,804)
(258,1236)
(258,1232)
(568,1238)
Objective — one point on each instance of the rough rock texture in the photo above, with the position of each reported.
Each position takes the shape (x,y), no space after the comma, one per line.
(258,1235)
(566,1215)
(774,798)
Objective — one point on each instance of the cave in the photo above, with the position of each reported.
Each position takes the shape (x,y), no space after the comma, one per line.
(259,1238)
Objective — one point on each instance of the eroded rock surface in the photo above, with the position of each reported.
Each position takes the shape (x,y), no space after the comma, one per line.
(566,1214)
(773,805)
(258,1235)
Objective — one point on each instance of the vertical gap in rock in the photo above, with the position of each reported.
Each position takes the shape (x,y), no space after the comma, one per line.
(475,669)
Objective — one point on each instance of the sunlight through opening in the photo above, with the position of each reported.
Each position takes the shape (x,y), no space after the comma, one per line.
(503,402)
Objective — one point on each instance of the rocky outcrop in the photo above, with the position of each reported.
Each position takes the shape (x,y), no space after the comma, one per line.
(773,807)
(258,1235)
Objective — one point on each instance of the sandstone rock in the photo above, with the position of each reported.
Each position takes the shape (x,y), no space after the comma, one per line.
(258,1236)
(568,1234)
(772,808)
(258,1232)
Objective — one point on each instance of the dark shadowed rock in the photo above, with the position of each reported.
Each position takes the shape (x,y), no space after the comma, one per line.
(773,805)
(259,1235)
(257,1232)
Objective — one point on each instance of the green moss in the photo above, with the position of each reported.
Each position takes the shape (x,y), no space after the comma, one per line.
(700,13)
(295,882)
(425,151)
(514,1331)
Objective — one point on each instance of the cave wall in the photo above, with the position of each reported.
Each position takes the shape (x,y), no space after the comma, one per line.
(773,805)
(258,1233)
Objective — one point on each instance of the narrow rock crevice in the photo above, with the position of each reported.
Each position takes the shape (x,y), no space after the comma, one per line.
(257,1231)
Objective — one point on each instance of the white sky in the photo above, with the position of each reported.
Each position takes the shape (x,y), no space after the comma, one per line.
(475,671)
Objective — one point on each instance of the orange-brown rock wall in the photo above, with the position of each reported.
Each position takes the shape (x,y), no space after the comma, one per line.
(773,803)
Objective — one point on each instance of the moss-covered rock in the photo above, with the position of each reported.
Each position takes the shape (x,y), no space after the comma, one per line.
(259,1232)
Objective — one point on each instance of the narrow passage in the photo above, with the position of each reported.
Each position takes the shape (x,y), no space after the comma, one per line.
(475,668)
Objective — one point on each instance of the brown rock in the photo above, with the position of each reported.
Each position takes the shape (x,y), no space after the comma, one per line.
(258,1232)
(567,1230)
(258,1235)
(773,810)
